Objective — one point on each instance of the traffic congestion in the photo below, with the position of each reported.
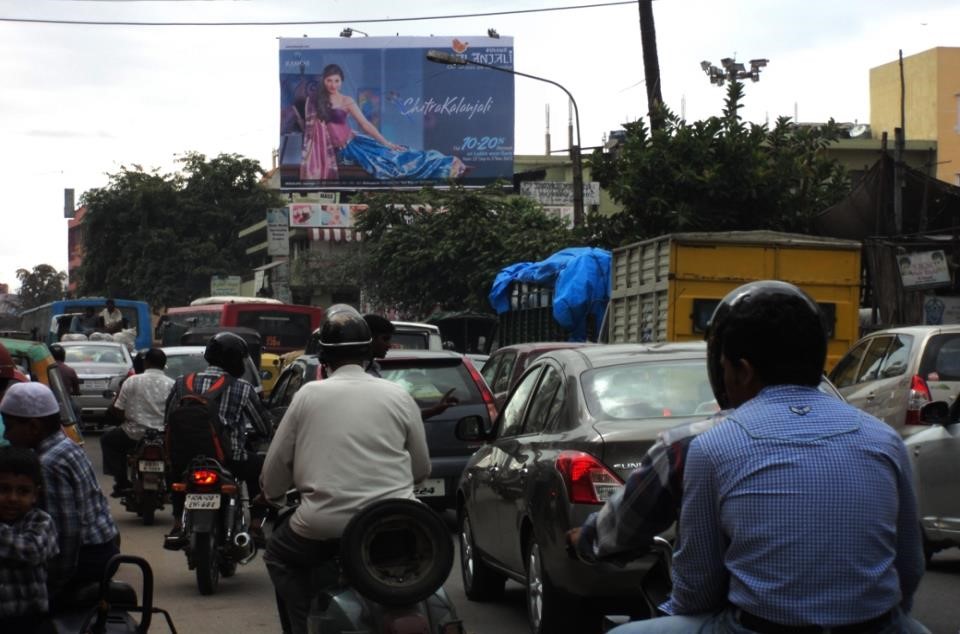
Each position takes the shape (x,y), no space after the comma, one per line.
(500,468)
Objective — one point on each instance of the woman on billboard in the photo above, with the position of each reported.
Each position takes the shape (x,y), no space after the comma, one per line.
(329,137)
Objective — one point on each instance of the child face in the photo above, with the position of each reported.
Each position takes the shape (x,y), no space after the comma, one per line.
(18,494)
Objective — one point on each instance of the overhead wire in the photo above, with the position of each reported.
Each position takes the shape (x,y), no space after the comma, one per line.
(315,22)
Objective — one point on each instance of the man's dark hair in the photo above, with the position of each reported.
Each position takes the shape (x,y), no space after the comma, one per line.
(21,462)
(58,353)
(155,358)
(51,424)
(784,340)
(379,325)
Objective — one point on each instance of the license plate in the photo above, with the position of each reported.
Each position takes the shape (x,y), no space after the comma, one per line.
(151,466)
(430,488)
(202,501)
(96,385)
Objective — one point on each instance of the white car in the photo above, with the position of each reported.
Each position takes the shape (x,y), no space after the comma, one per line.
(100,366)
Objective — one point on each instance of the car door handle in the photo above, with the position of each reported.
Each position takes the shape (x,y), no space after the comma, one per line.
(493,469)
(871,396)
(524,472)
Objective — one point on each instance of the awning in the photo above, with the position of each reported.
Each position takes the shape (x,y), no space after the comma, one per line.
(336,234)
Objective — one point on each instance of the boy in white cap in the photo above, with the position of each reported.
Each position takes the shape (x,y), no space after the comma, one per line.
(87,535)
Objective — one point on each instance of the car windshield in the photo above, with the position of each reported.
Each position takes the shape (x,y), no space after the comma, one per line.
(94,354)
(428,381)
(410,340)
(180,364)
(649,390)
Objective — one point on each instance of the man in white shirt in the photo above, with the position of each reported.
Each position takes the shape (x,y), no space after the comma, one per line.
(344,443)
(140,405)
(111,317)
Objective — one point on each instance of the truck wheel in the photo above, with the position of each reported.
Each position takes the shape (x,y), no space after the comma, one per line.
(480,582)
(206,557)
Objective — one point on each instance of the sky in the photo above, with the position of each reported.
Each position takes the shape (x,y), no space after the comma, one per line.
(78,102)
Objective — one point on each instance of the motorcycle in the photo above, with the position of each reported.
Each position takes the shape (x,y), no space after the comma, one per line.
(214,522)
(146,471)
(106,607)
(395,556)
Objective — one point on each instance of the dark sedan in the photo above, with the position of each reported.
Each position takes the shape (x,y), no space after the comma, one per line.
(574,427)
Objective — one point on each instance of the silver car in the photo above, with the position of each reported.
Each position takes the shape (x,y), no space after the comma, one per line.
(935,456)
(183,360)
(893,373)
(100,366)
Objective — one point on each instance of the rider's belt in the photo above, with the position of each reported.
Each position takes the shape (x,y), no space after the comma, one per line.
(763,626)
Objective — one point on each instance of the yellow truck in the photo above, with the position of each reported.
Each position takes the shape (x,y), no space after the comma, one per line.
(665,288)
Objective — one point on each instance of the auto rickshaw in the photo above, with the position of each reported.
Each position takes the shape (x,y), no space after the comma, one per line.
(36,362)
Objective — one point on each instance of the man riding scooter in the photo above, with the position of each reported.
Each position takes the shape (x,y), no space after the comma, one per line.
(344,443)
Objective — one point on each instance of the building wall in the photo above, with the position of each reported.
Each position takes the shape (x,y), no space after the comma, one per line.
(932,83)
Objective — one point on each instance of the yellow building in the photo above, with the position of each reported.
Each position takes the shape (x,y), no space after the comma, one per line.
(931,104)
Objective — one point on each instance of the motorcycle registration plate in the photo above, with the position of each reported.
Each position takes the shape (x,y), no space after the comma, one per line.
(202,501)
(429,488)
(151,466)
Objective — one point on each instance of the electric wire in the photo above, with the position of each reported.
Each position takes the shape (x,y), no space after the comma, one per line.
(314,22)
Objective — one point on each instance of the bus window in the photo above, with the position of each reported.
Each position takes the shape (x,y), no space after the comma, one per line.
(279,329)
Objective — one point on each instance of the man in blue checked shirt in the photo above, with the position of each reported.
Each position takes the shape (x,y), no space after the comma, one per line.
(86,533)
(797,513)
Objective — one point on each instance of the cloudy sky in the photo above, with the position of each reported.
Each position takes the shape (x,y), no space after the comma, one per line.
(79,101)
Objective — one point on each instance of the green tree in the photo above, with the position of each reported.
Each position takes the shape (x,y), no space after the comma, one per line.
(442,249)
(718,174)
(159,237)
(41,285)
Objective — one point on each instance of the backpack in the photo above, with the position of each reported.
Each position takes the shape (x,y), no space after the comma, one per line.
(194,427)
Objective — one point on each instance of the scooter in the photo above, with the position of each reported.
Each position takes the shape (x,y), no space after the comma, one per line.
(146,470)
(214,523)
(395,556)
(106,607)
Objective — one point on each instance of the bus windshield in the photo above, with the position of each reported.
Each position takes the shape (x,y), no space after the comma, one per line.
(280,329)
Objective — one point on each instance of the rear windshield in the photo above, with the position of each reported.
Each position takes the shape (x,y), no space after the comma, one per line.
(94,354)
(649,390)
(427,381)
(410,340)
(941,358)
(278,329)
(181,364)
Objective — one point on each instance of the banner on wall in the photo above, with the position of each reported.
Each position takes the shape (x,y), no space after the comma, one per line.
(373,112)
(925,269)
(278,232)
(320,215)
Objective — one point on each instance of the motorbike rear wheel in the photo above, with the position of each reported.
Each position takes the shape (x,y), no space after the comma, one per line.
(148,508)
(207,559)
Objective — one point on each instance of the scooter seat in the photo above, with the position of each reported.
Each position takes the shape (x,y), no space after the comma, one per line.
(118,593)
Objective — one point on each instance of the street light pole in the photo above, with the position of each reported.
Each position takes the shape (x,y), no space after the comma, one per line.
(440,57)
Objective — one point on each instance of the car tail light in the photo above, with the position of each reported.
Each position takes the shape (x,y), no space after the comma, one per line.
(588,480)
(484,390)
(131,372)
(152,452)
(204,477)
(919,396)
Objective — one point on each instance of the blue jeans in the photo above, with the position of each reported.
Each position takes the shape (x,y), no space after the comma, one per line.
(725,623)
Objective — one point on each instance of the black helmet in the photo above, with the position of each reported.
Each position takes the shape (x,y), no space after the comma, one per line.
(227,350)
(790,351)
(344,330)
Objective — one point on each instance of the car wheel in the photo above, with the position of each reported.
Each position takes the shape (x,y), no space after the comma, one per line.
(929,548)
(549,610)
(396,552)
(480,581)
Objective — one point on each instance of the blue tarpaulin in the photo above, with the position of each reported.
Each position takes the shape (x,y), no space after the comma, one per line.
(580,277)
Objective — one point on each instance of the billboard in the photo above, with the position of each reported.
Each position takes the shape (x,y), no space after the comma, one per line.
(322,215)
(926,269)
(278,232)
(373,112)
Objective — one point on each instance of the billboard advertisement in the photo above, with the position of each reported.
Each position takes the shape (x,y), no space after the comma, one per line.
(374,112)
(323,215)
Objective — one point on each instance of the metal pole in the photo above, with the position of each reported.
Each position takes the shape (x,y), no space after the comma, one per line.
(578,215)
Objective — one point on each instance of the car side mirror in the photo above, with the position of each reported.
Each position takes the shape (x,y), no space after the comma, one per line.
(470,428)
(935,413)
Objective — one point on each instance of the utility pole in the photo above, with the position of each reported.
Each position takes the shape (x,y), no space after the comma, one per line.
(651,64)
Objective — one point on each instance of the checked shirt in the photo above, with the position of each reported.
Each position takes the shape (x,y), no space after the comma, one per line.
(74,500)
(25,547)
(240,407)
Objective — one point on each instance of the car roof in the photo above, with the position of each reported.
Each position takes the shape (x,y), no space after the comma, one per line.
(544,345)
(916,330)
(399,354)
(615,354)
(183,350)
(414,325)
(93,342)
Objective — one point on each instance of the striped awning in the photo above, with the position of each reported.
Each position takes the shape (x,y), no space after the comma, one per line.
(336,234)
